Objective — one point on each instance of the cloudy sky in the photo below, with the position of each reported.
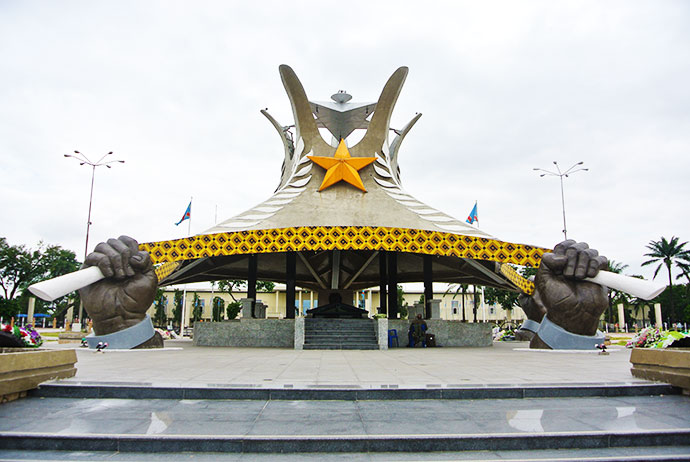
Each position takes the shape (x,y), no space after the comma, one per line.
(175,87)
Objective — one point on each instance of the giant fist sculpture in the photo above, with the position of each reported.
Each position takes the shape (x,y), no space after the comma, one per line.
(118,304)
(573,306)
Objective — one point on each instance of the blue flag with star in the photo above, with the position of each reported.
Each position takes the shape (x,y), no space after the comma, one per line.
(473,216)
(187,214)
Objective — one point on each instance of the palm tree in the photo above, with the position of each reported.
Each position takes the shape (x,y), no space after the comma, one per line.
(458,288)
(667,253)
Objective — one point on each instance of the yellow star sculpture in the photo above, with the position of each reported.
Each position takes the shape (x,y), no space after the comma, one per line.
(342,166)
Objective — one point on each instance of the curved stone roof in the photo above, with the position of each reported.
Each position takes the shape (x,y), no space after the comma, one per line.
(298,201)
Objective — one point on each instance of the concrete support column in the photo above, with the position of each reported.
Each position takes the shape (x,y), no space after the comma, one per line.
(299,303)
(435,306)
(30,311)
(428,285)
(383,279)
(382,328)
(299,333)
(253,264)
(311,299)
(392,285)
(290,284)
(657,316)
(247,304)
(370,302)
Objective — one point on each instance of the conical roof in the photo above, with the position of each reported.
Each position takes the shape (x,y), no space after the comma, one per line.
(298,200)
(335,197)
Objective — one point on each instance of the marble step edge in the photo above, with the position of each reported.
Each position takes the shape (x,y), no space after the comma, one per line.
(350,393)
(343,443)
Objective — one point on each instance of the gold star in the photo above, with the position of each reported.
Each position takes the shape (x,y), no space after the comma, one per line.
(342,166)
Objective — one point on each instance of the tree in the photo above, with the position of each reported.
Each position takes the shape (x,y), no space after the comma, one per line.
(218,308)
(402,304)
(198,310)
(667,253)
(233,309)
(178,296)
(20,267)
(505,298)
(230,285)
(159,317)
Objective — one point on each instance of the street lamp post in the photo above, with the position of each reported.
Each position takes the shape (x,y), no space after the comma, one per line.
(83,160)
(560,174)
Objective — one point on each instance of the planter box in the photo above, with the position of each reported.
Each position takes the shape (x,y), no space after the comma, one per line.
(23,369)
(670,365)
(70,337)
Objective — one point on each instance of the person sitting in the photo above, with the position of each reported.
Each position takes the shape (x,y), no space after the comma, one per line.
(417,332)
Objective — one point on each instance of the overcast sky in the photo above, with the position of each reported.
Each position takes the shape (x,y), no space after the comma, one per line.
(175,89)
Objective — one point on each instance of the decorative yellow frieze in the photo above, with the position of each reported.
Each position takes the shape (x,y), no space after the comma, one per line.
(316,238)
(522,283)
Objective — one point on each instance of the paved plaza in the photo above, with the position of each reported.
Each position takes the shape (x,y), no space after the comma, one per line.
(183,364)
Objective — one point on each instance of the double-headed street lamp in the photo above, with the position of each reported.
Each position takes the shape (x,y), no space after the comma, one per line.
(561,174)
(83,160)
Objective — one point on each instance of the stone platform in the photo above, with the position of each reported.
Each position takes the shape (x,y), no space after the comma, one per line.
(205,403)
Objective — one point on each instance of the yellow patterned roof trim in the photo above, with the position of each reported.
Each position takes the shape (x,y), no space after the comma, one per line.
(164,270)
(316,238)
(522,283)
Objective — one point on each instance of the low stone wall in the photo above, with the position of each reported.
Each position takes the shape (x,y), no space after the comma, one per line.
(448,333)
(23,369)
(670,365)
(274,333)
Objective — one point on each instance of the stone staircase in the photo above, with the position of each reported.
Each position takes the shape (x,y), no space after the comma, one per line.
(574,423)
(339,334)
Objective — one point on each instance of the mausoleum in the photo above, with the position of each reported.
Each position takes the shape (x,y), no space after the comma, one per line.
(340,220)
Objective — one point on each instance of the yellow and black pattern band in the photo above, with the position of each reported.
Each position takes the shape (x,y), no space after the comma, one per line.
(164,270)
(522,283)
(318,238)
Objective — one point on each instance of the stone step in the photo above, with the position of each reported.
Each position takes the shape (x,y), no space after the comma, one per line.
(345,346)
(349,335)
(338,331)
(126,390)
(402,443)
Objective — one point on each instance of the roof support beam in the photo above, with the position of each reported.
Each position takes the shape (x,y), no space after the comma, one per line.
(361,269)
(482,269)
(335,269)
(317,278)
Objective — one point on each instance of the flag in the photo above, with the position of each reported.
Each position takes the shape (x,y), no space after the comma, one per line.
(187,214)
(473,216)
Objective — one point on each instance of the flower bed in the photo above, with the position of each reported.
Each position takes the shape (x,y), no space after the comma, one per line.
(27,334)
(652,337)
(504,335)
(656,356)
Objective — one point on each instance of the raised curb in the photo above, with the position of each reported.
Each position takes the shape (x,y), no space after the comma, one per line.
(145,391)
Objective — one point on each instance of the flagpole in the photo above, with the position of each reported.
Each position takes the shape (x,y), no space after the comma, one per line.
(189,225)
(477,215)
(183,321)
